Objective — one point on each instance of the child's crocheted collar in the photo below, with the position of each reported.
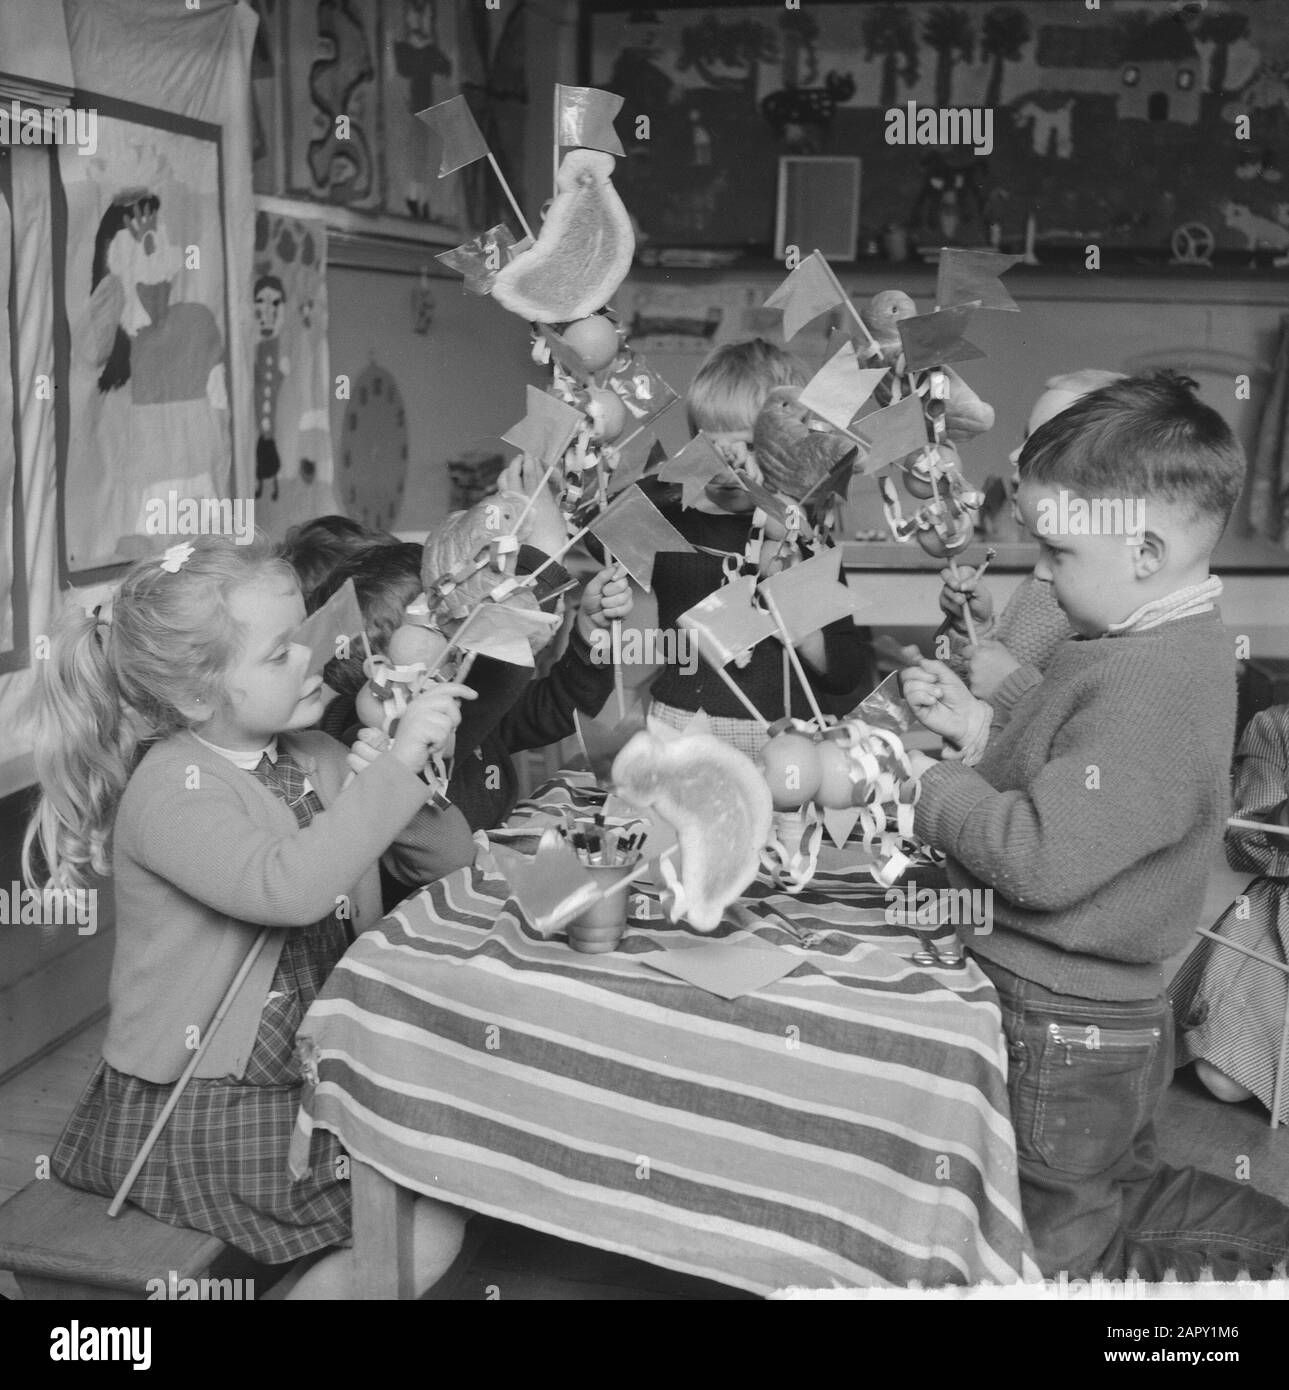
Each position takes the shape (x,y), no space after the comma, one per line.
(1182,603)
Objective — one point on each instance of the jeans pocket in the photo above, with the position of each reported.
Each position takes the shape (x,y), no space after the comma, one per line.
(1088,1093)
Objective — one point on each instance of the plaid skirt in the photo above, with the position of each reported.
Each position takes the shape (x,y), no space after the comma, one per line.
(220,1165)
(1229,1008)
(744,734)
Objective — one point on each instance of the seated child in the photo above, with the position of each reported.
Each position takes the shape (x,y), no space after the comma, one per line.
(724,400)
(1091,813)
(514,710)
(1012,653)
(315,548)
(174,753)
(1230,1008)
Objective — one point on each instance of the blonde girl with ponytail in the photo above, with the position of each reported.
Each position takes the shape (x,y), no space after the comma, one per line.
(178,765)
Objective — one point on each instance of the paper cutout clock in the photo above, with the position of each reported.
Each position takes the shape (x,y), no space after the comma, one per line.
(373,452)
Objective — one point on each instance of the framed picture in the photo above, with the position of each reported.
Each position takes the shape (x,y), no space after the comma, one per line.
(1115,125)
(146,417)
(14,653)
(350,79)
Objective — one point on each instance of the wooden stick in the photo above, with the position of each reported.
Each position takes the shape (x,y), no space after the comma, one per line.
(1243,950)
(846,300)
(1277,1094)
(615,645)
(510,197)
(857,439)
(532,499)
(1237,824)
(558,555)
(457,635)
(739,694)
(786,638)
(967,618)
(122,1192)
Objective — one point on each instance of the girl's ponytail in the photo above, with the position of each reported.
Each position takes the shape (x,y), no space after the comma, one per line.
(86,747)
(108,689)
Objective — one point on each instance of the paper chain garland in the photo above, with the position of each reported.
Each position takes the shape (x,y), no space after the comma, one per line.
(879,761)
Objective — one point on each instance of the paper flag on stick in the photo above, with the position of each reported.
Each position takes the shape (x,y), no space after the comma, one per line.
(552,886)
(808,292)
(584,116)
(601,739)
(502,632)
(838,389)
(340,617)
(636,458)
(480,260)
(809,595)
(769,502)
(839,822)
(836,484)
(930,340)
(461,139)
(895,431)
(971,277)
(694,467)
(644,393)
(635,531)
(547,429)
(727,622)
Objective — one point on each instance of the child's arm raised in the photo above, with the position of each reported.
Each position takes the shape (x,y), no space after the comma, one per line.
(197,833)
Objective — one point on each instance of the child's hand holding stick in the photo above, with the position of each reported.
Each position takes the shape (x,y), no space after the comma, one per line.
(941,702)
(960,597)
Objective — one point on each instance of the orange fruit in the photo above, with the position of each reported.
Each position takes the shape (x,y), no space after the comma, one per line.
(594,339)
(612,413)
(836,790)
(790,765)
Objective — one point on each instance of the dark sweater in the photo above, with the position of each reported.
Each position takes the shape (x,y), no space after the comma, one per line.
(680,581)
(1096,810)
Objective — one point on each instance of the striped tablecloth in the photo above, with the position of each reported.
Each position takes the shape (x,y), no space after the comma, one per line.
(845,1126)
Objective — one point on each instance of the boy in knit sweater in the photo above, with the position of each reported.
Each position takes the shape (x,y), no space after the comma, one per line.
(1092,807)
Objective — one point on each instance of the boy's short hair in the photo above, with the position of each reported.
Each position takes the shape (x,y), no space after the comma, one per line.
(730,387)
(315,548)
(386,579)
(1144,436)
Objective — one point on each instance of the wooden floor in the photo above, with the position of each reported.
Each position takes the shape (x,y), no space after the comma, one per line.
(510,1262)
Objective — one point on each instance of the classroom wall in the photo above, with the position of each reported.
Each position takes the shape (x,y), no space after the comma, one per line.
(462,382)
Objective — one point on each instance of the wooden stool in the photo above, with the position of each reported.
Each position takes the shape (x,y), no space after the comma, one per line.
(61,1243)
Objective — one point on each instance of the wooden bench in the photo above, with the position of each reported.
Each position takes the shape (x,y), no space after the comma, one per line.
(61,1244)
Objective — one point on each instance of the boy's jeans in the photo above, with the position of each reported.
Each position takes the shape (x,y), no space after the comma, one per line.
(1084,1079)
